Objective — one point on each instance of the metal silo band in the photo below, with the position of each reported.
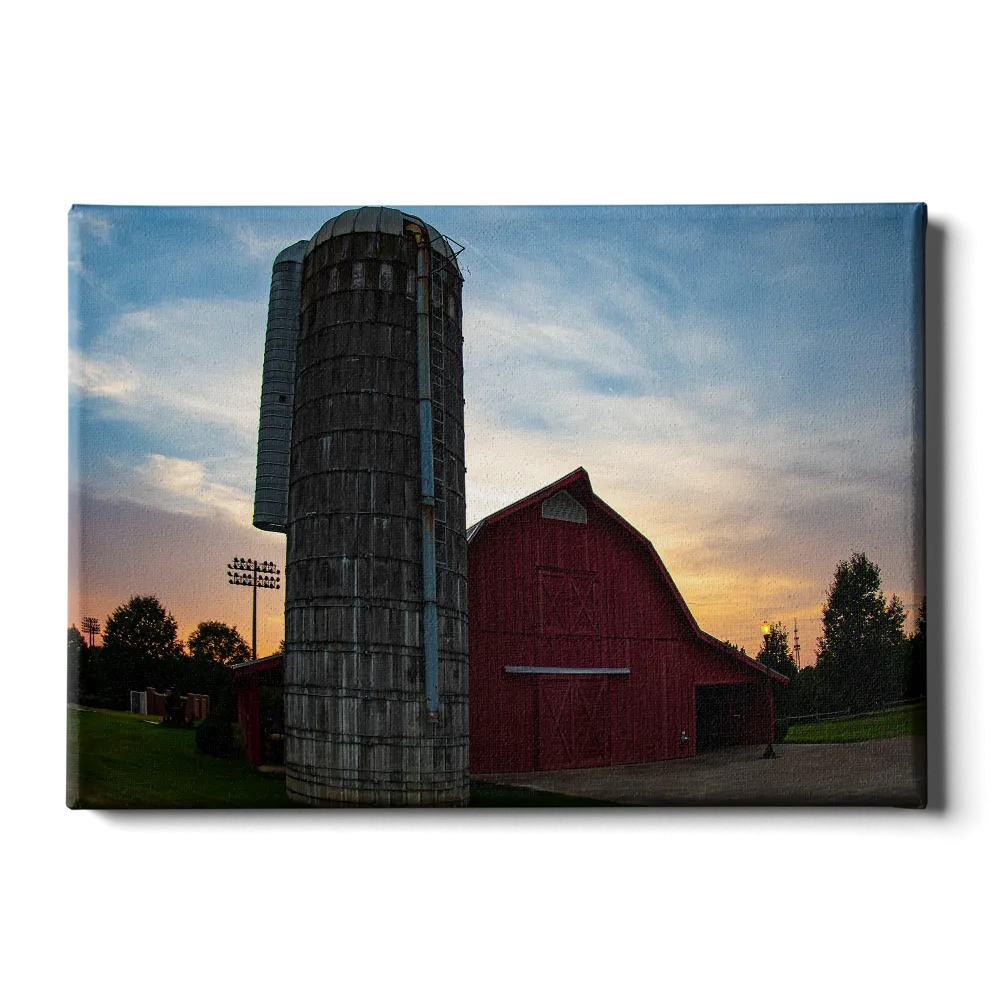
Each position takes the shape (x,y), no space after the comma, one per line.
(428,540)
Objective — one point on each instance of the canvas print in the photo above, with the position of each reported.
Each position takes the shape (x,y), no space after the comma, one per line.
(496,506)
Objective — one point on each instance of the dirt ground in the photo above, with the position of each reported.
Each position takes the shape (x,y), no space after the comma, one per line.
(878,772)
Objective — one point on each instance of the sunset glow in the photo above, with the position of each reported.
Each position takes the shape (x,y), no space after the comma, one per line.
(741,385)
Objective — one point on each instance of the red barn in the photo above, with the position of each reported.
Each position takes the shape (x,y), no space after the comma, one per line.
(248,680)
(582,651)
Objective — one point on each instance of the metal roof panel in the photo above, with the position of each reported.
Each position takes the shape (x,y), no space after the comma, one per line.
(366,220)
(391,221)
(296,252)
(371,219)
(343,223)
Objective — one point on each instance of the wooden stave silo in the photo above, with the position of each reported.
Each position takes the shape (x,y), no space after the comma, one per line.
(357,727)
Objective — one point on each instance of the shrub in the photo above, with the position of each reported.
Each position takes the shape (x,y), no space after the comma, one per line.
(95,701)
(780,729)
(219,738)
(222,696)
(173,710)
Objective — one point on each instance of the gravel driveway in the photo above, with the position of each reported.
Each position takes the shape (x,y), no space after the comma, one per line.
(877,772)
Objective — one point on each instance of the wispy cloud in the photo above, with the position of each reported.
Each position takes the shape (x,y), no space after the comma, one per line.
(111,379)
(179,365)
(183,486)
(92,223)
(739,386)
(258,242)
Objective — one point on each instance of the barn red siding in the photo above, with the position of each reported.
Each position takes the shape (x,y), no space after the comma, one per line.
(546,593)
(248,713)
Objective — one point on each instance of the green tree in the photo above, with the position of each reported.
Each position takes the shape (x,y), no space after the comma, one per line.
(774,651)
(140,647)
(917,680)
(76,653)
(805,695)
(214,647)
(217,642)
(89,682)
(75,641)
(862,652)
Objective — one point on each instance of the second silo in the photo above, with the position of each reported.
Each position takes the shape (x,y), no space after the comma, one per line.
(270,507)
(376,687)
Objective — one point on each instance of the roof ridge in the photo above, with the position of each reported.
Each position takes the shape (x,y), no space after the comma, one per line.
(581,473)
(578,473)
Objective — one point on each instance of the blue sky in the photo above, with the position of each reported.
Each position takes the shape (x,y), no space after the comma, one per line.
(739,382)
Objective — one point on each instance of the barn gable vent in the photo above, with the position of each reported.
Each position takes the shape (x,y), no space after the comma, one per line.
(562,507)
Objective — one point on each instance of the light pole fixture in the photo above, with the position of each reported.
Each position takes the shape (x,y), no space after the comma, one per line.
(250,573)
(765,631)
(92,627)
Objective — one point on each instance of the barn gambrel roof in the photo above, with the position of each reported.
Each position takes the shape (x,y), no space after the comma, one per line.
(580,475)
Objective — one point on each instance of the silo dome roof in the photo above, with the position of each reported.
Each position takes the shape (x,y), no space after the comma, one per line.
(296,252)
(378,220)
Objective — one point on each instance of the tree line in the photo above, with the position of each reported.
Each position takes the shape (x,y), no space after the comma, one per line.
(864,659)
(141,649)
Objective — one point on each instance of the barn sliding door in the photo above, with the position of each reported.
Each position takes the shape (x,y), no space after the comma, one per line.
(574,722)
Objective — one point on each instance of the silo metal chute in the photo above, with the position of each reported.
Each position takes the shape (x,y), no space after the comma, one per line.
(277,394)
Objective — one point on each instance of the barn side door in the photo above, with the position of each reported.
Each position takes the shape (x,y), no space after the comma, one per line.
(574,722)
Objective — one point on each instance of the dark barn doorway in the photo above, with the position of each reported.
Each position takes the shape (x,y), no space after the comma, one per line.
(272,723)
(722,716)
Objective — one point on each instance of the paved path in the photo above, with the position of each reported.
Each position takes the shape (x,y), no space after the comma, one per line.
(876,772)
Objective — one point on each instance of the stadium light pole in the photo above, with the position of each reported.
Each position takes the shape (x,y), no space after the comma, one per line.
(92,627)
(250,573)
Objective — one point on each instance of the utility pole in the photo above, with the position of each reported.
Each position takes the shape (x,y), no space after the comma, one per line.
(796,647)
(769,754)
(250,573)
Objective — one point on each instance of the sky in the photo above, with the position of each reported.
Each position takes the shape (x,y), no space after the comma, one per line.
(742,385)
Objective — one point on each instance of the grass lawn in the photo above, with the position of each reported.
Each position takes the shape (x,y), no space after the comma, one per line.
(121,761)
(907,720)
